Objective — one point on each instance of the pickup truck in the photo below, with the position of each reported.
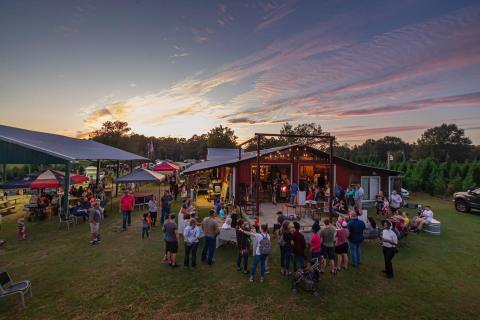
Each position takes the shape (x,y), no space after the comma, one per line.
(465,201)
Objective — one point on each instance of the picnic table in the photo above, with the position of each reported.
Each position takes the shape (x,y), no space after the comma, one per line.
(7,206)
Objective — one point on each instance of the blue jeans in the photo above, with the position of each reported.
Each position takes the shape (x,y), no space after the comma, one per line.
(145,232)
(355,252)
(165,213)
(298,259)
(287,258)
(209,249)
(282,257)
(256,259)
(127,218)
(191,250)
(243,257)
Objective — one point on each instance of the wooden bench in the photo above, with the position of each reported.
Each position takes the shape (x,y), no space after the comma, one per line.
(433,227)
(7,210)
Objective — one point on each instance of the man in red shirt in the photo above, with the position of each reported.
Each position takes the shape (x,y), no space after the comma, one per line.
(127,202)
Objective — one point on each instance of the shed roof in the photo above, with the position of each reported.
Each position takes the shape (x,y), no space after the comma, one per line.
(253,154)
(58,147)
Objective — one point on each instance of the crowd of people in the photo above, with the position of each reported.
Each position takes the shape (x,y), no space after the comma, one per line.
(337,244)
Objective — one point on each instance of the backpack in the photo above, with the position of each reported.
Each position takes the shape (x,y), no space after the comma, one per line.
(265,246)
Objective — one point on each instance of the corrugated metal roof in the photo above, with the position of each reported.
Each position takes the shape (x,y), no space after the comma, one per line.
(62,147)
(223,162)
(221,153)
(253,154)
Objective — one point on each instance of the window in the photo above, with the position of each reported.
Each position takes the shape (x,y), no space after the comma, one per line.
(371,186)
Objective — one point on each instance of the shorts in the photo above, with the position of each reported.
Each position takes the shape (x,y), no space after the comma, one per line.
(94,227)
(328,253)
(342,249)
(172,246)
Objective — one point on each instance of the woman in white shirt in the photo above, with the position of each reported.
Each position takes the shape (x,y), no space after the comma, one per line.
(389,247)
(227,224)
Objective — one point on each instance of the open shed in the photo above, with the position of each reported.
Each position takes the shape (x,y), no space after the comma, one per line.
(21,146)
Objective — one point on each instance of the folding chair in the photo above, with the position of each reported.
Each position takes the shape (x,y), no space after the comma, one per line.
(8,287)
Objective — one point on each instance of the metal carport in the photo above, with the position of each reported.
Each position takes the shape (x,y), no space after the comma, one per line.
(21,146)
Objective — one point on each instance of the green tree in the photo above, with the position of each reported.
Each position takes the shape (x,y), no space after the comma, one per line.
(444,143)
(472,178)
(221,137)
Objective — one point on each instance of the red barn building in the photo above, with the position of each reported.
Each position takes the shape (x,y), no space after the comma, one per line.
(232,175)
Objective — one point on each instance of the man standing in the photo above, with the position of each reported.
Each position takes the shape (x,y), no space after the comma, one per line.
(359,193)
(356,227)
(293,192)
(166,202)
(94,219)
(127,202)
(395,201)
(327,235)
(211,230)
(299,245)
(170,229)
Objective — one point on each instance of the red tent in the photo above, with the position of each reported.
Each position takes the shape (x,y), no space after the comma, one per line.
(54,179)
(165,166)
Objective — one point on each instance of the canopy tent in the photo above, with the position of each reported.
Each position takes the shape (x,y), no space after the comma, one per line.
(165,166)
(143,175)
(54,179)
(19,183)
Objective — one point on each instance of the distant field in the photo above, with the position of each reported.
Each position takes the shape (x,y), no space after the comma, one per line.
(122,278)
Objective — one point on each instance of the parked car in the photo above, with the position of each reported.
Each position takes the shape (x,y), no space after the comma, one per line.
(405,193)
(465,201)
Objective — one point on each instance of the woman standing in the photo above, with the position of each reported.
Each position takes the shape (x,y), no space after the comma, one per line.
(389,246)
(152,209)
(242,243)
(191,234)
(285,229)
(341,245)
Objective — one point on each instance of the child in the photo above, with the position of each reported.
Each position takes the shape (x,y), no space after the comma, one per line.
(386,207)
(145,225)
(22,235)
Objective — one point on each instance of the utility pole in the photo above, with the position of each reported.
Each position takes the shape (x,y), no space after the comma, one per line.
(389,158)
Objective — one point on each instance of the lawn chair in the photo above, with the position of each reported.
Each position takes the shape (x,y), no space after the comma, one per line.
(8,287)
(66,220)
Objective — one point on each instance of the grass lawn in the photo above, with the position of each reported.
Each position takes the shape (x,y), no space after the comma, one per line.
(123,278)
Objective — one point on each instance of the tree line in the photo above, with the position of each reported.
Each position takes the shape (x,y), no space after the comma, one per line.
(442,160)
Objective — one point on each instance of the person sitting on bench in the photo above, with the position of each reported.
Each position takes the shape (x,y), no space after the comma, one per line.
(425,217)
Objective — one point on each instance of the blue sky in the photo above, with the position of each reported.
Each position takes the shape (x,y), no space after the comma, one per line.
(362,69)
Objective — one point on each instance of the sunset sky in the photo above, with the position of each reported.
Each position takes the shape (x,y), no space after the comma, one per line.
(362,69)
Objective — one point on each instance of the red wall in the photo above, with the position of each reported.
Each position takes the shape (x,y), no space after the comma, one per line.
(346,173)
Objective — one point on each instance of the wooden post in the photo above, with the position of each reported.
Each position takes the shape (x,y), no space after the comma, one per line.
(116,177)
(97,178)
(131,166)
(4,177)
(66,187)
(257,180)
(330,203)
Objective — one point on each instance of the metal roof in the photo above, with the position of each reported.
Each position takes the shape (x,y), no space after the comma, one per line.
(223,162)
(61,147)
(221,153)
(141,175)
(253,154)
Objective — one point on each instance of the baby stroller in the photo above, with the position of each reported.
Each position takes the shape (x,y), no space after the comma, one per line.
(307,279)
